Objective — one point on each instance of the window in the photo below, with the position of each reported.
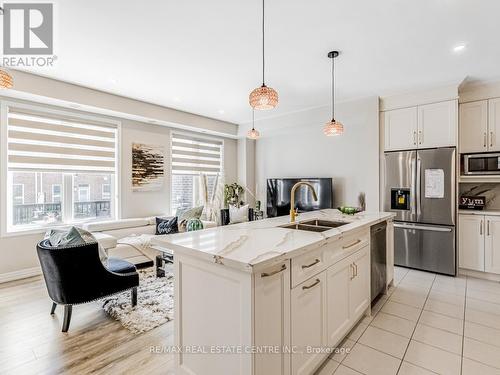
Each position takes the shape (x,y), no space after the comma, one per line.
(52,155)
(18,194)
(106,191)
(191,157)
(56,193)
(83,193)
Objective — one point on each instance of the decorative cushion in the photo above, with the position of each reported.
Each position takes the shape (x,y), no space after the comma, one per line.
(191,213)
(238,214)
(118,265)
(166,225)
(74,236)
(194,224)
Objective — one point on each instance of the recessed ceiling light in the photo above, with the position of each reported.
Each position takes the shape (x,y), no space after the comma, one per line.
(221,111)
(459,47)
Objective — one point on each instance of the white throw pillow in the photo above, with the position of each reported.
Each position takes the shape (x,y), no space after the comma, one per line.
(238,215)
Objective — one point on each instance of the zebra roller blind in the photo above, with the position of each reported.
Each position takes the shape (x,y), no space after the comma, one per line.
(192,155)
(45,141)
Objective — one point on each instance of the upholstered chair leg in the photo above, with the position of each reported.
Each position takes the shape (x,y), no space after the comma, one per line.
(53,309)
(67,317)
(134,296)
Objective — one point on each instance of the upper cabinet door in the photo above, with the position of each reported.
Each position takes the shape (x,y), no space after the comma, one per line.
(400,129)
(494,125)
(437,124)
(492,245)
(474,127)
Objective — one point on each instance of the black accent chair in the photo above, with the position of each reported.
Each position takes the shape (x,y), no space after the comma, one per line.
(75,275)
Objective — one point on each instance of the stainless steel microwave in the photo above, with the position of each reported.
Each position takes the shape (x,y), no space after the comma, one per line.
(481,164)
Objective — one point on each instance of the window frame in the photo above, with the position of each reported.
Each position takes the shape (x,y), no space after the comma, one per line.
(8,230)
(171,171)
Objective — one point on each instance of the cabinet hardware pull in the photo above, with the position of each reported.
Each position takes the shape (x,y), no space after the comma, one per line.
(351,245)
(355,269)
(491,139)
(484,140)
(420,137)
(310,265)
(313,284)
(414,137)
(267,274)
(481,228)
(351,276)
(488,232)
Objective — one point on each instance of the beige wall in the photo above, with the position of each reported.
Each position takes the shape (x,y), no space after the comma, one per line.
(18,253)
(297,147)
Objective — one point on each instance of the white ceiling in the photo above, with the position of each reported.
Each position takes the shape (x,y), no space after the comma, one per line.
(204,56)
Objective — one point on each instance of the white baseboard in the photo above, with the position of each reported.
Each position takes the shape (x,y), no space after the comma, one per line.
(479,275)
(21,274)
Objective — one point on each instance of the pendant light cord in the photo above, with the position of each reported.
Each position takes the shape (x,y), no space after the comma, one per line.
(333,89)
(253,119)
(263,44)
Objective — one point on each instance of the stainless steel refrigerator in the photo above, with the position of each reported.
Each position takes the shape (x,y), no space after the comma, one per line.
(419,186)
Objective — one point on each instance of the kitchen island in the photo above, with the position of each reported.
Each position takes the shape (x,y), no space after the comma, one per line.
(266,298)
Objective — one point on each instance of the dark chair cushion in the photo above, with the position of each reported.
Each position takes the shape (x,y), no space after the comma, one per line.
(118,265)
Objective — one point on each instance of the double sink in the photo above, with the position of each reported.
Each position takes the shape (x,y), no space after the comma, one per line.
(315,225)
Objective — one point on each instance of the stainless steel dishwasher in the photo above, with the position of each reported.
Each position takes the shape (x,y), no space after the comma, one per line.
(378,259)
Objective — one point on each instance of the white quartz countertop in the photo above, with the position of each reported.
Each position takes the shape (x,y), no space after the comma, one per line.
(262,242)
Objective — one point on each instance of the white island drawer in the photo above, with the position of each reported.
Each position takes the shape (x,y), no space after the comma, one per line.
(340,248)
(307,265)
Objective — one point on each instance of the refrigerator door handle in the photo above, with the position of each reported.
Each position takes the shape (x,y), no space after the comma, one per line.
(422,227)
(418,187)
(413,202)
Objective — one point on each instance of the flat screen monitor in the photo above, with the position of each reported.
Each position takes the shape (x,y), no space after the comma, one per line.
(279,189)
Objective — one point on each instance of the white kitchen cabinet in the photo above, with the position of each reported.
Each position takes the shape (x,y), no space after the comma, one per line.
(359,290)
(494,124)
(272,318)
(308,323)
(437,124)
(492,245)
(424,126)
(400,128)
(474,126)
(339,278)
(471,242)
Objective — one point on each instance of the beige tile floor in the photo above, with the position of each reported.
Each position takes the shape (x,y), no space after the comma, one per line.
(428,324)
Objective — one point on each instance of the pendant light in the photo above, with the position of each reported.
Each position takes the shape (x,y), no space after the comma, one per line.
(6,81)
(253,134)
(333,127)
(263,97)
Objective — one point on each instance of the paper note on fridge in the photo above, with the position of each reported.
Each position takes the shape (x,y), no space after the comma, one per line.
(434,183)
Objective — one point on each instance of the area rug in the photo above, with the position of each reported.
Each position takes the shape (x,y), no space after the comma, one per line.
(155,303)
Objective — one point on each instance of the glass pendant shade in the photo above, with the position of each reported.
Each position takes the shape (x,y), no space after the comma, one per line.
(6,81)
(253,134)
(333,128)
(263,98)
